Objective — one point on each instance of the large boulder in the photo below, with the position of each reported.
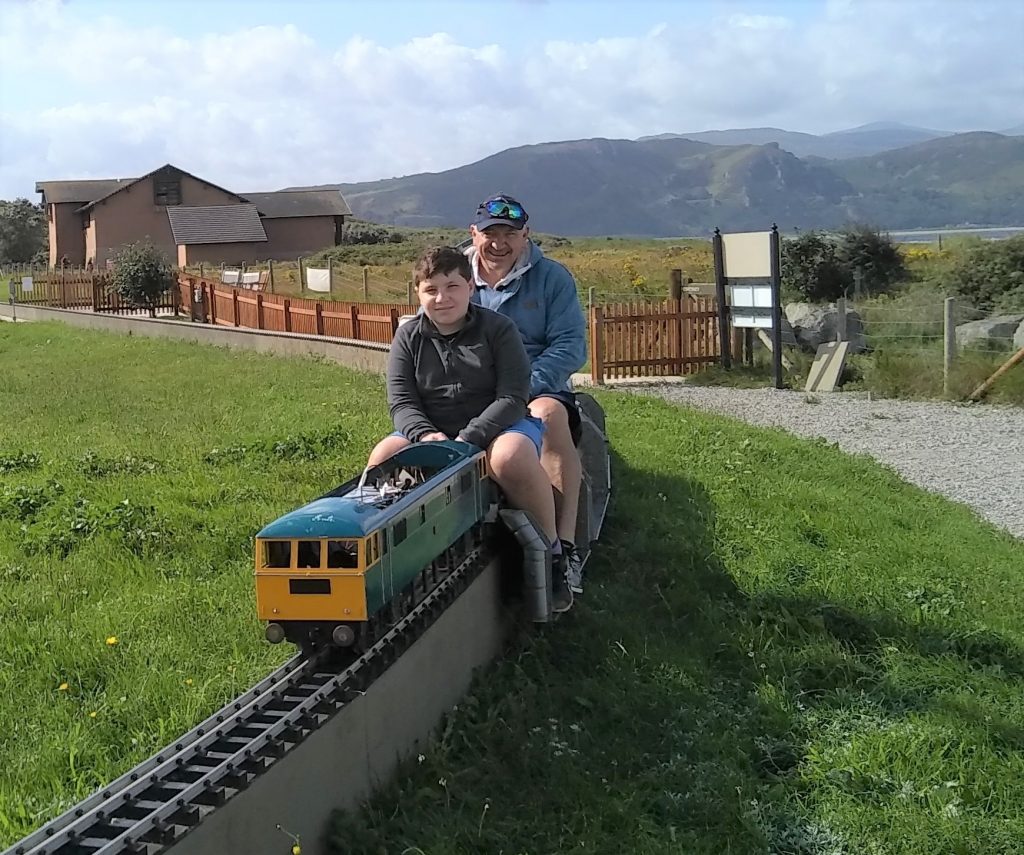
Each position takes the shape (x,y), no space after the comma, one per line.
(816,325)
(999,330)
(1018,337)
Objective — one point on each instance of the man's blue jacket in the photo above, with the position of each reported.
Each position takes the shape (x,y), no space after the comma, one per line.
(539,296)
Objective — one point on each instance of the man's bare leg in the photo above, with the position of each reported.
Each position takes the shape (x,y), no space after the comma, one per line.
(561,461)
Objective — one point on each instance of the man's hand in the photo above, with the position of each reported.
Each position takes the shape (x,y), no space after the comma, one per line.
(437,436)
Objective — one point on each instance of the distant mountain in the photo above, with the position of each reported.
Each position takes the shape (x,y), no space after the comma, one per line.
(855,142)
(1014,132)
(624,187)
(677,186)
(966,178)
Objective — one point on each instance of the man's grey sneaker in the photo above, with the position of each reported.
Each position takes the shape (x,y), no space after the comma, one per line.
(561,595)
(573,567)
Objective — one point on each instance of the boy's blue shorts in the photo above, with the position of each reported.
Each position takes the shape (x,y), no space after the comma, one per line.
(531,428)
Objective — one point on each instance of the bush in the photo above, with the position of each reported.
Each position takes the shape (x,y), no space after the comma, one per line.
(811,268)
(820,267)
(989,274)
(878,258)
(141,275)
(358,232)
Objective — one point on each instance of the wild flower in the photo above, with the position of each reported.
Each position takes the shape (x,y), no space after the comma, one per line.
(111,640)
(63,687)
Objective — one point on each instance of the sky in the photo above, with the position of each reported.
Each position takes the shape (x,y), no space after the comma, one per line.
(256,95)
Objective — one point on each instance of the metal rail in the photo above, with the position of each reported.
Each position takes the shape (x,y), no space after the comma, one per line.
(157,802)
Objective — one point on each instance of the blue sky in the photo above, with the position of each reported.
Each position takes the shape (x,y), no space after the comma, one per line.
(256,95)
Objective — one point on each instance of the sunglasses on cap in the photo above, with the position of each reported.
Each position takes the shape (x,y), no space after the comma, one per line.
(507,210)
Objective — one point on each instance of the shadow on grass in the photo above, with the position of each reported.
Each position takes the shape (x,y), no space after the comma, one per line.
(668,712)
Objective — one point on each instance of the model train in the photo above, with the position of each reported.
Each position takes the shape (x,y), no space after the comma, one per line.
(340,569)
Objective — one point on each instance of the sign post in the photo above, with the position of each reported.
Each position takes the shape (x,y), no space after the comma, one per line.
(747,267)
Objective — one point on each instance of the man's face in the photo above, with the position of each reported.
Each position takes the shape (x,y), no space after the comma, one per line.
(500,245)
(445,298)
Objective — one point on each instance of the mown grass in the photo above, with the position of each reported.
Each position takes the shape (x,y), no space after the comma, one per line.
(133,476)
(782,649)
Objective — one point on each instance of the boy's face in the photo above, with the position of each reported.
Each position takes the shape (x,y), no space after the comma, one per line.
(445,298)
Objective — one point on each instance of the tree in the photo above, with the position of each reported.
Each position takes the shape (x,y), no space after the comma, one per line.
(141,275)
(22,231)
(874,254)
(811,267)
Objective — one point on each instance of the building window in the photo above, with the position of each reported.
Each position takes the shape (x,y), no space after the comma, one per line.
(167,191)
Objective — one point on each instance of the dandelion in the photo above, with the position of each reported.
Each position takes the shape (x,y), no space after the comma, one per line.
(92,714)
(111,640)
(188,681)
(63,687)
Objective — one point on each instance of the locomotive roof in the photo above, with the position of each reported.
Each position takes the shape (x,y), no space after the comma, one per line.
(341,514)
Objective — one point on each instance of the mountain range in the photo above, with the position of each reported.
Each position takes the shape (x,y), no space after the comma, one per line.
(674,184)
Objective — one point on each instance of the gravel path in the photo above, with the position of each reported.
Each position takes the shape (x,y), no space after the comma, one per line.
(972,454)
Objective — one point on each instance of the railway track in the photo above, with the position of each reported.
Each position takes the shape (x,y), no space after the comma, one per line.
(160,800)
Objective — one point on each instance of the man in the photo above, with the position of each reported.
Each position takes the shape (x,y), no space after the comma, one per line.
(539,295)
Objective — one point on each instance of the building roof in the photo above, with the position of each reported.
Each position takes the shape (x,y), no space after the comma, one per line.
(80,191)
(166,167)
(215,224)
(300,203)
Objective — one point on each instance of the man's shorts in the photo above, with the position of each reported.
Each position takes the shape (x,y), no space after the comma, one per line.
(568,400)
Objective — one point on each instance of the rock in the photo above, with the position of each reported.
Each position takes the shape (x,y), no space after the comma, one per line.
(815,325)
(1000,330)
(1018,337)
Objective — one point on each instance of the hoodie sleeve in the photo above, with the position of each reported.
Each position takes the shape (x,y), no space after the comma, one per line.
(565,333)
(403,395)
(513,384)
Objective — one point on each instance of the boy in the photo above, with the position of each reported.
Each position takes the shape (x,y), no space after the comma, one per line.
(460,371)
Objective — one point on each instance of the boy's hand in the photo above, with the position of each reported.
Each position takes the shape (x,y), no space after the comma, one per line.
(437,436)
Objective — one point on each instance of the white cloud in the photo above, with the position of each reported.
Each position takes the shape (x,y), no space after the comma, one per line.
(265,107)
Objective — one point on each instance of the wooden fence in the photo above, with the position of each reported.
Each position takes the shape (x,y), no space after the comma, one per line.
(214,303)
(674,336)
(653,339)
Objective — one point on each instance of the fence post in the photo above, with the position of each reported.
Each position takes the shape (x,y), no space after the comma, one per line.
(176,295)
(675,287)
(394,322)
(259,311)
(596,352)
(300,274)
(270,275)
(841,320)
(213,303)
(723,309)
(63,288)
(234,306)
(366,284)
(95,295)
(287,315)
(330,275)
(319,314)
(354,310)
(948,342)
(410,290)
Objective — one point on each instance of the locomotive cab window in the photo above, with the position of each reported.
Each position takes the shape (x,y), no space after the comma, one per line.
(277,554)
(308,554)
(342,554)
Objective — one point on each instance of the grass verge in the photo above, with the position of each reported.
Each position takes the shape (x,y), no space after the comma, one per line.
(782,649)
(133,476)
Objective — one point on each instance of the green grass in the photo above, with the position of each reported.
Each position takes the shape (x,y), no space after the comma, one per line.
(133,476)
(783,649)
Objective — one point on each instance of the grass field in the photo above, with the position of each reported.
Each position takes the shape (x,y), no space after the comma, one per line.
(783,649)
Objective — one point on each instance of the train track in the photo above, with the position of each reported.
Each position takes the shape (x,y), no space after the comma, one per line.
(156,803)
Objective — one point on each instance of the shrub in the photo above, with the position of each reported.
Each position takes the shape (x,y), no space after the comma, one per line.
(989,274)
(358,232)
(141,275)
(878,258)
(812,269)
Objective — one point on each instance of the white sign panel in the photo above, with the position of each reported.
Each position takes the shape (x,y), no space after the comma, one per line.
(747,254)
(230,277)
(752,296)
(318,279)
(26,283)
(753,321)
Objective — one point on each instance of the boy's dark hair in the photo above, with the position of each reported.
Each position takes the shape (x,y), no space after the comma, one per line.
(441,259)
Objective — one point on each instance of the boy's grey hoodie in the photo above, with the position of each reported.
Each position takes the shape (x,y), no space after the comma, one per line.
(471,385)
